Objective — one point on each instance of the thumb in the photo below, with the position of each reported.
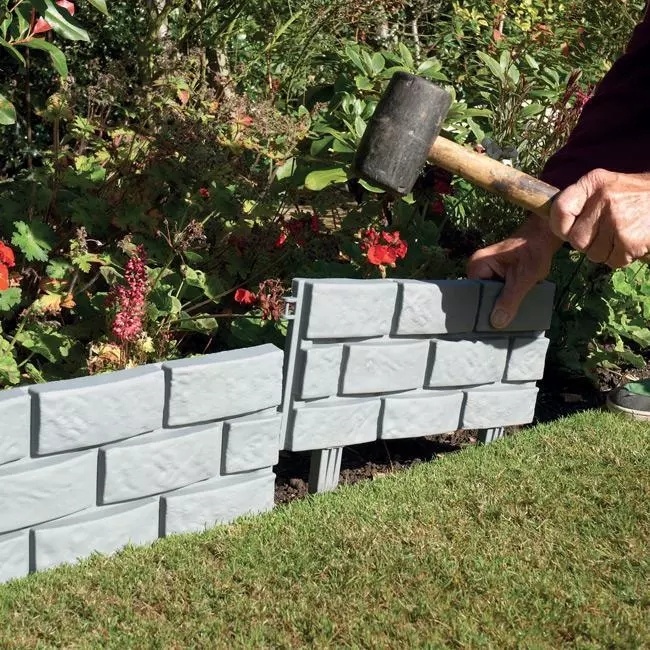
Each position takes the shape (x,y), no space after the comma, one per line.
(506,306)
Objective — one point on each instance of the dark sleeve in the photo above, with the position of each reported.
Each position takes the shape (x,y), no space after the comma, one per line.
(613,131)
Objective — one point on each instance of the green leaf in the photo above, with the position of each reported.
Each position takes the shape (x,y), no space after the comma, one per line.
(58,268)
(378,62)
(9,372)
(286,169)
(354,57)
(47,343)
(33,240)
(210,284)
(320,145)
(406,56)
(9,298)
(531,109)
(100,5)
(202,324)
(359,126)
(57,56)
(320,179)
(7,111)
(62,22)
(13,51)
(639,388)
(493,66)
(362,82)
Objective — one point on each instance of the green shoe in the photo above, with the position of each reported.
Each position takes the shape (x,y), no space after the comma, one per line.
(632,399)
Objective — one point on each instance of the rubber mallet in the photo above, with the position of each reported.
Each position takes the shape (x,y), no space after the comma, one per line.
(403,133)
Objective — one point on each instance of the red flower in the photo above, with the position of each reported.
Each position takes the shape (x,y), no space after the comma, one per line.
(315,223)
(280,241)
(387,253)
(204,192)
(379,254)
(437,207)
(245,297)
(4,277)
(7,255)
(401,248)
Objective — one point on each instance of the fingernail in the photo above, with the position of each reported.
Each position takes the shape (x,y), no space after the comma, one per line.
(499,318)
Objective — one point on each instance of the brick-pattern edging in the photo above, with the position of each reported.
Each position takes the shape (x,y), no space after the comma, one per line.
(92,464)
(372,359)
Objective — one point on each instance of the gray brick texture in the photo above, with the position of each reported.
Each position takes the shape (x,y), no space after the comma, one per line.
(15,418)
(80,413)
(217,501)
(101,530)
(223,385)
(405,358)
(86,464)
(534,315)
(14,555)
(35,491)
(158,462)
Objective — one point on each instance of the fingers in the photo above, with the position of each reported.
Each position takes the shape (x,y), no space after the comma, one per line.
(497,262)
(516,288)
(579,200)
(483,265)
(619,257)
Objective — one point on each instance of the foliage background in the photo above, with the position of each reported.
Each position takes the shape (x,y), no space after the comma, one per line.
(179,162)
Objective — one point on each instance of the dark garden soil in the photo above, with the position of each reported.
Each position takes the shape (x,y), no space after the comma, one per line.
(558,397)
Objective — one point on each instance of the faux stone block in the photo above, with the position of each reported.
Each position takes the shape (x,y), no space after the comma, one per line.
(382,366)
(534,314)
(217,501)
(441,307)
(14,555)
(502,406)
(92,411)
(423,414)
(333,423)
(526,359)
(159,462)
(15,427)
(223,385)
(340,309)
(250,443)
(466,363)
(103,530)
(321,371)
(34,491)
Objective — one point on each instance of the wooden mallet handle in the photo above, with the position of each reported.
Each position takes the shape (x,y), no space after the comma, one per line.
(495,177)
(513,185)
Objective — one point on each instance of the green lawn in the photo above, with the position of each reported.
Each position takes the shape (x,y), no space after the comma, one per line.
(538,541)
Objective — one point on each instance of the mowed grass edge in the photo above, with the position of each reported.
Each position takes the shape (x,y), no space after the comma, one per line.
(535,541)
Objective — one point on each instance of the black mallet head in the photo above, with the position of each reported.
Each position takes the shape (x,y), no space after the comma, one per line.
(400,133)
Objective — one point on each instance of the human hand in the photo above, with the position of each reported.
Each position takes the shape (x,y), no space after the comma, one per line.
(606,215)
(522,260)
